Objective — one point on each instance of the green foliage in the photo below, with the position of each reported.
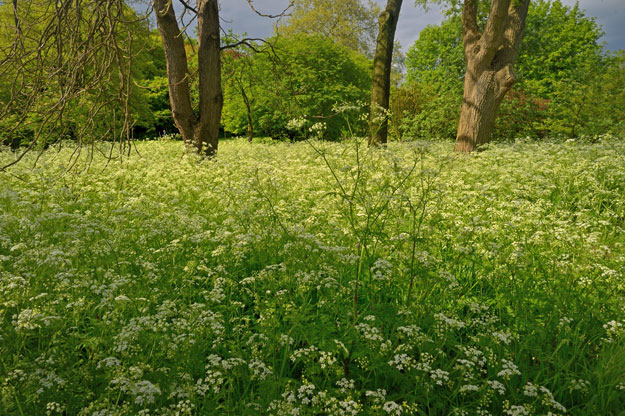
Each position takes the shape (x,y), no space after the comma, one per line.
(438,55)
(305,78)
(334,280)
(559,44)
(350,23)
(240,80)
(62,78)
(562,71)
(154,83)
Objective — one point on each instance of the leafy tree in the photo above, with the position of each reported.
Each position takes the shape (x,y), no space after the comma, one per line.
(240,80)
(200,128)
(490,53)
(588,102)
(304,78)
(559,42)
(350,23)
(435,72)
(560,54)
(437,56)
(154,84)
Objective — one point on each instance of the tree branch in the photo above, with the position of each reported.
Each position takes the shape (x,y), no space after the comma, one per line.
(470,29)
(188,7)
(271,16)
(492,37)
(246,42)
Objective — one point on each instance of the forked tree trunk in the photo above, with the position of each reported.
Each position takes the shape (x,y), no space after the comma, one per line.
(199,130)
(490,55)
(381,77)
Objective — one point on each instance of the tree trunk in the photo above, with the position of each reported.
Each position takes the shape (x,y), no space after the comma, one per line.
(490,57)
(248,107)
(209,69)
(198,130)
(480,105)
(381,77)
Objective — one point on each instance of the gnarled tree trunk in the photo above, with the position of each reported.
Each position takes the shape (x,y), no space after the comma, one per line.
(199,130)
(381,77)
(490,56)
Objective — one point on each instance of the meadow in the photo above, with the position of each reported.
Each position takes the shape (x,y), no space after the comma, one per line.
(315,279)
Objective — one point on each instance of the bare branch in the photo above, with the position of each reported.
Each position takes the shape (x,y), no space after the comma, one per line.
(246,42)
(271,16)
(188,7)
(69,57)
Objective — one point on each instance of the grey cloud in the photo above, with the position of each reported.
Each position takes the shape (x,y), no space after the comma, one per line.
(238,16)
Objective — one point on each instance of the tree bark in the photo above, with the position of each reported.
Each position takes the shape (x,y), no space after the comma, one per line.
(381,77)
(199,130)
(209,69)
(248,107)
(490,55)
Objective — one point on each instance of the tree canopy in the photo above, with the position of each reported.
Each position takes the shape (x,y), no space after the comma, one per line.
(350,23)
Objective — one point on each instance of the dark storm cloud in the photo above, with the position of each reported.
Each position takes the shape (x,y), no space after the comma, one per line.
(610,14)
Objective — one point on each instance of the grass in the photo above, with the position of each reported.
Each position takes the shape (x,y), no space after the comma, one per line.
(315,279)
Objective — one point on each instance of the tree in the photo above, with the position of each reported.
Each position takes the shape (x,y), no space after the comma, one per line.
(303,78)
(60,57)
(68,70)
(559,42)
(559,58)
(589,102)
(350,23)
(490,56)
(154,83)
(240,79)
(200,130)
(381,76)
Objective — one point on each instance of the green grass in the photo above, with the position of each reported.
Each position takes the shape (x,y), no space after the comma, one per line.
(315,279)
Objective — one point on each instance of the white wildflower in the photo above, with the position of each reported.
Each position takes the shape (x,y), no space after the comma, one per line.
(497,386)
(392,408)
(259,369)
(509,370)
(439,376)
(401,362)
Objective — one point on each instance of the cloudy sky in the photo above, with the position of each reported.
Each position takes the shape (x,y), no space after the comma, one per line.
(236,14)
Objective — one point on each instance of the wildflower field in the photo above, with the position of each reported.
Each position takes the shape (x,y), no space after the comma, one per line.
(315,279)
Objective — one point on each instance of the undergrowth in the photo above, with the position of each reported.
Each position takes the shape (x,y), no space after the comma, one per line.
(315,278)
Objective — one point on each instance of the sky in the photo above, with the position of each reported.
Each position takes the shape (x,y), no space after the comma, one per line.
(237,15)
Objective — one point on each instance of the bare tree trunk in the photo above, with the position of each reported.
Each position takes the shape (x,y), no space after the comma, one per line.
(490,57)
(209,68)
(202,130)
(381,77)
(250,125)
